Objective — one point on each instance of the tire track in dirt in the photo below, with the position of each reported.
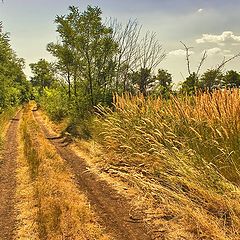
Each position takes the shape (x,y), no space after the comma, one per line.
(8,167)
(112,208)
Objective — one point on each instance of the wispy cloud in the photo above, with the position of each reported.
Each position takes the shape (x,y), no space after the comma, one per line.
(200,10)
(213,51)
(218,51)
(222,39)
(179,52)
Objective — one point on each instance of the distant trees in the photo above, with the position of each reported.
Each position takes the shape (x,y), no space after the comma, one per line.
(162,84)
(14,88)
(211,79)
(43,75)
(231,79)
(142,80)
(94,59)
(190,85)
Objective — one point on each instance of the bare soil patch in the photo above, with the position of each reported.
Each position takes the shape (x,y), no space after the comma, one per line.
(8,181)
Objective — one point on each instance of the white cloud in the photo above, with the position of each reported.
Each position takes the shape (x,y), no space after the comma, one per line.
(200,10)
(179,52)
(218,51)
(227,51)
(213,51)
(225,37)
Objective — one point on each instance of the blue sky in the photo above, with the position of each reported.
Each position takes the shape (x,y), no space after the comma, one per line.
(31,24)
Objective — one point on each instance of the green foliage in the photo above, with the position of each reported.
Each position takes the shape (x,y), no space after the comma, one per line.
(190,85)
(55,103)
(142,79)
(14,88)
(85,54)
(163,86)
(211,79)
(43,75)
(231,79)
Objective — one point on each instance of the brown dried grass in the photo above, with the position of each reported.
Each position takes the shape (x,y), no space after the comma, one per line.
(184,155)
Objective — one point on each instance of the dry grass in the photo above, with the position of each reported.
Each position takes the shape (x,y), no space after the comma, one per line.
(26,205)
(59,210)
(183,155)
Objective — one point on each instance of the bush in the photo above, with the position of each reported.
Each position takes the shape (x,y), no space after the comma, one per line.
(55,103)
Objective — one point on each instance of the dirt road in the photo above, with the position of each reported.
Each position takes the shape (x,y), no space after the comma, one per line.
(112,208)
(8,181)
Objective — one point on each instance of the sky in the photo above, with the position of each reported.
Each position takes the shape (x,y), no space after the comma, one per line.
(211,25)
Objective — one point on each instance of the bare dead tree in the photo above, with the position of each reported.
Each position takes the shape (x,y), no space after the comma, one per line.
(225,61)
(151,53)
(203,58)
(187,56)
(217,70)
(134,53)
(127,37)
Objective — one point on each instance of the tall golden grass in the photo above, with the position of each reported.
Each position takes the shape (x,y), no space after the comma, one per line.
(184,150)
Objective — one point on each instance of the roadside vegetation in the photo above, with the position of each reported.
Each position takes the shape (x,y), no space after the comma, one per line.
(14,87)
(184,153)
(50,205)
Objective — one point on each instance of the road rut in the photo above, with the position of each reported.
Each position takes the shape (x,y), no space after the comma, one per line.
(112,208)
(8,167)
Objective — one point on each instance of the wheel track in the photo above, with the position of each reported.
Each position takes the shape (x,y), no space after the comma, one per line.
(112,208)
(8,167)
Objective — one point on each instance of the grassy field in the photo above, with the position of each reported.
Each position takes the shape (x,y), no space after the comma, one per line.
(184,155)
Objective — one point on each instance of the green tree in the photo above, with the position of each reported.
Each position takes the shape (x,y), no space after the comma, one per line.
(211,79)
(163,83)
(43,75)
(85,54)
(231,79)
(143,80)
(190,85)
(14,88)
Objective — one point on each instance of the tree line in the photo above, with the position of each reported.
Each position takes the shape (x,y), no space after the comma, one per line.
(95,59)
(14,87)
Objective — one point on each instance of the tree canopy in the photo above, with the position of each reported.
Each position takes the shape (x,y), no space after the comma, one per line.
(14,88)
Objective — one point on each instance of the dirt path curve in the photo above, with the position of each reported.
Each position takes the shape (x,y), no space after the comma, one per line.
(112,208)
(8,181)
